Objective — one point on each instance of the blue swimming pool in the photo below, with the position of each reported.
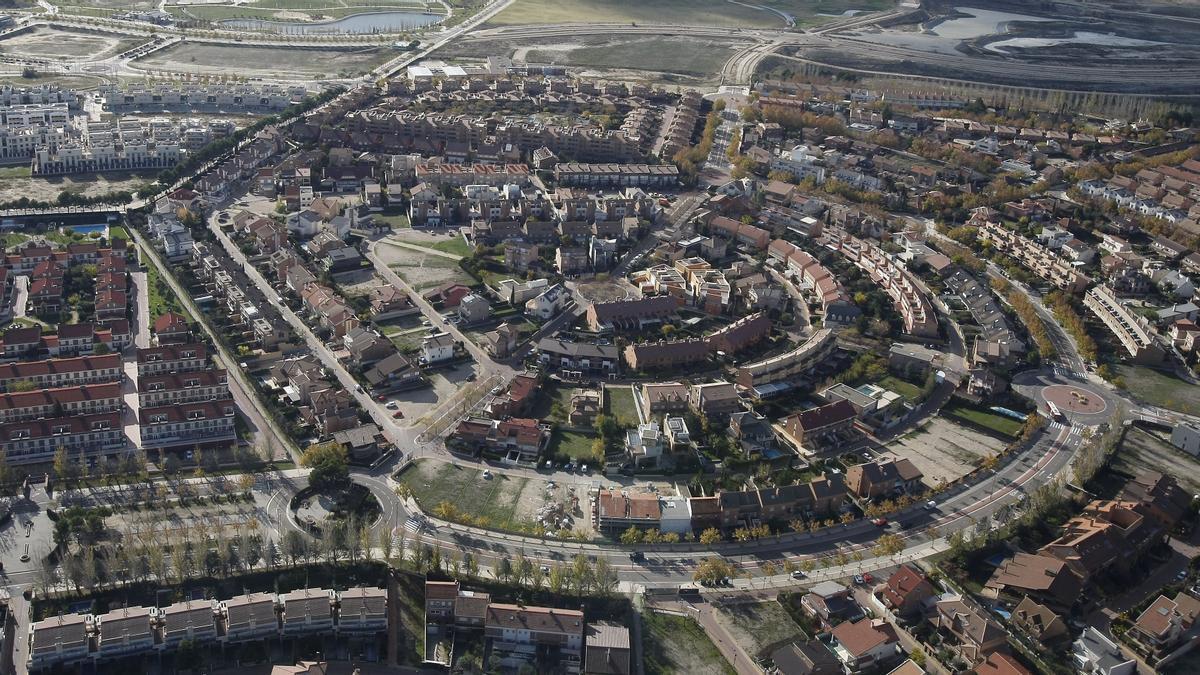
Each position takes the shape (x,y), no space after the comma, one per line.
(87,229)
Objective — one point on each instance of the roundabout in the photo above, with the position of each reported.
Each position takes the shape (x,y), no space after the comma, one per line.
(1075,399)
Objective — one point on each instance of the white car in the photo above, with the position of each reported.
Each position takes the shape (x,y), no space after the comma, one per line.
(930,505)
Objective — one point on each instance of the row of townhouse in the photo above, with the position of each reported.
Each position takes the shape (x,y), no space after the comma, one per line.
(617,510)
(520,636)
(190,97)
(220,283)
(496,215)
(890,274)
(616,175)
(729,341)
(1133,331)
(442,174)
(817,282)
(73,639)
(75,339)
(781,372)
(182,398)
(405,131)
(1031,255)
(243,166)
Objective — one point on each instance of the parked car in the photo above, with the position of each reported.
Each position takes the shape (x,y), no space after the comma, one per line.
(637,557)
(930,505)
(880,522)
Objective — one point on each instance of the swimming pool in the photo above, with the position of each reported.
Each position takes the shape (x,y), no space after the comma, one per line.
(87,229)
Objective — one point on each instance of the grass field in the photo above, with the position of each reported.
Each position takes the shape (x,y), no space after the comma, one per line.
(998,423)
(573,445)
(687,12)
(1161,389)
(454,245)
(908,390)
(619,403)
(397,220)
(673,644)
(162,299)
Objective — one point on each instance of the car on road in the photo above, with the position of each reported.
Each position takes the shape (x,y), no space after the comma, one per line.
(358,388)
(487,474)
(930,505)
(868,578)
(798,574)
(858,580)
(392,405)
(381,398)
(637,557)
(545,569)
(880,522)
(1183,574)
(398,415)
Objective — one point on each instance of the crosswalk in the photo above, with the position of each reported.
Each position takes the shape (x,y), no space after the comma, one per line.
(414,524)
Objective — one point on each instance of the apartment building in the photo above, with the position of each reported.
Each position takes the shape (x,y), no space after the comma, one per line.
(362,610)
(172,359)
(250,617)
(186,387)
(53,373)
(194,620)
(87,399)
(36,440)
(58,641)
(307,610)
(187,423)
(1134,332)
(123,632)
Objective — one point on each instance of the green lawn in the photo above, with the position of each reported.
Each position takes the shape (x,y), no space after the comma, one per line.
(910,391)
(162,298)
(15,172)
(619,403)
(117,232)
(1161,389)
(1000,424)
(396,219)
(456,245)
(674,644)
(11,239)
(573,445)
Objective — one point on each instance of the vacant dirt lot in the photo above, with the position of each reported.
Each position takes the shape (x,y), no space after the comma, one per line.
(48,189)
(943,450)
(292,63)
(422,270)
(1147,451)
(66,45)
(505,502)
(759,626)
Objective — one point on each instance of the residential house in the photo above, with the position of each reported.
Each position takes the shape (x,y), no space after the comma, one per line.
(999,663)
(830,603)
(473,309)
(974,633)
(1096,654)
(806,658)
(816,427)
(1045,579)
(1039,622)
(865,645)
(578,356)
(883,478)
(1166,624)
(714,400)
(644,445)
(437,348)
(619,510)
(907,592)
(607,650)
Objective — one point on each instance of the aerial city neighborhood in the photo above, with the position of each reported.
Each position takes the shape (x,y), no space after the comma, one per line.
(506,367)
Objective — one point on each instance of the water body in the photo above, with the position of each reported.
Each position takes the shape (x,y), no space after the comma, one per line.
(368,22)
(1081,37)
(978,23)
